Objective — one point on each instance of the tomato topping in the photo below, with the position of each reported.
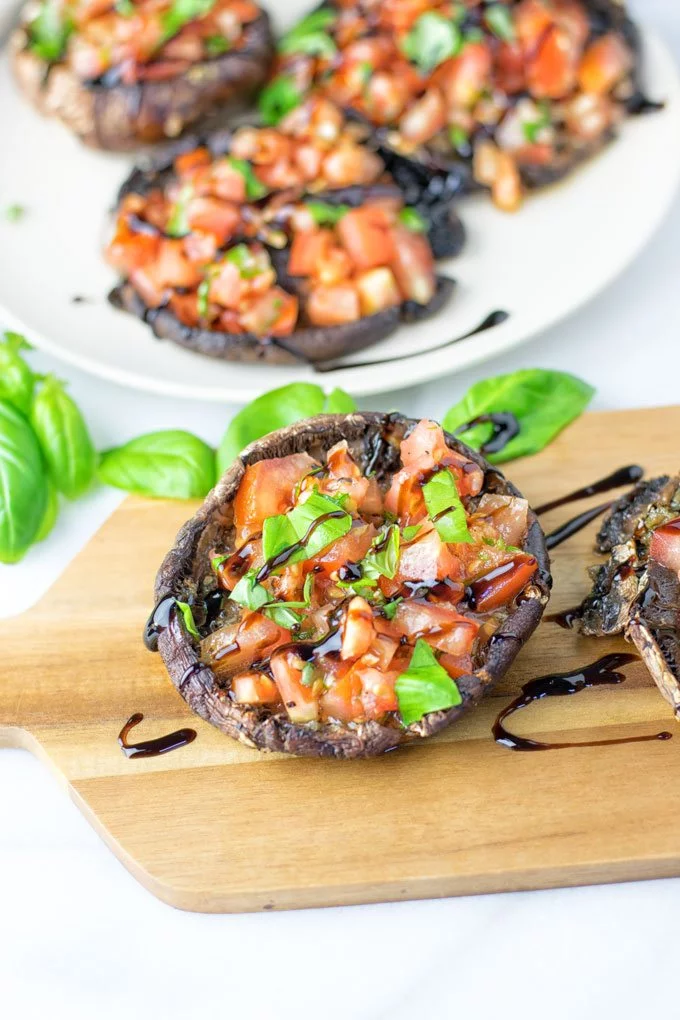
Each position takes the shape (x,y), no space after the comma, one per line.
(333,306)
(300,701)
(254,689)
(664,547)
(309,248)
(366,235)
(604,64)
(267,489)
(501,585)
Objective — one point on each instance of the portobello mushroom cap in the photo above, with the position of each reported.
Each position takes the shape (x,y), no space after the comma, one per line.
(122,117)
(183,571)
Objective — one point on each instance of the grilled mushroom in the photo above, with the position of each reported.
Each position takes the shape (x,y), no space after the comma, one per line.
(122,75)
(380,630)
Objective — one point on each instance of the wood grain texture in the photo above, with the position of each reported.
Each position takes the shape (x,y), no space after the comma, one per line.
(216,826)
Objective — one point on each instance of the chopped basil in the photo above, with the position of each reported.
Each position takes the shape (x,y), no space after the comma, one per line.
(409,533)
(216,45)
(277,99)
(473,35)
(382,559)
(248,593)
(125,8)
(181,13)
(202,299)
(432,40)
(252,595)
(543,401)
(365,69)
(459,137)
(188,615)
(247,263)
(283,616)
(499,20)
(425,686)
(389,610)
(254,187)
(15,212)
(217,561)
(178,223)
(307,677)
(306,596)
(445,507)
(309,35)
(412,220)
(533,128)
(49,31)
(325,213)
(284,530)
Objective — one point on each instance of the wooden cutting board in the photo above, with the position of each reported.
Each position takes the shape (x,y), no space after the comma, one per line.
(216,826)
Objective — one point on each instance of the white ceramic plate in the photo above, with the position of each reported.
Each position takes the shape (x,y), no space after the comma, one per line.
(564,246)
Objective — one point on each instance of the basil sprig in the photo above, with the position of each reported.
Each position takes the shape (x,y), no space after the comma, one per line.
(424,686)
(277,99)
(499,20)
(178,222)
(543,402)
(276,409)
(188,617)
(252,595)
(254,187)
(284,530)
(445,507)
(181,13)
(432,40)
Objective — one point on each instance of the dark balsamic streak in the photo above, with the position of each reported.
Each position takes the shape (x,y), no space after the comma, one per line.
(505,428)
(576,524)
(285,555)
(623,476)
(158,621)
(598,674)
(152,748)
(493,319)
(566,619)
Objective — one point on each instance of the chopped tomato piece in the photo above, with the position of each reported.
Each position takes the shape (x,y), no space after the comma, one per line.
(254,689)
(439,625)
(267,489)
(234,648)
(465,77)
(604,64)
(358,631)
(214,217)
(551,73)
(413,265)
(501,585)
(351,164)
(366,235)
(342,700)
(275,313)
(227,182)
(308,250)
(333,306)
(351,548)
(378,290)
(377,691)
(664,547)
(508,514)
(426,558)
(424,119)
(300,701)
(226,286)
(187,162)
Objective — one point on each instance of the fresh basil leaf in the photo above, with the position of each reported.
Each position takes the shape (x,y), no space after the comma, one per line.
(445,507)
(317,21)
(499,19)
(389,610)
(277,99)
(432,40)
(382,559)
(543,401)
(217,561)
(283,616)
(17,379)
(188,616)
(313,44)
(532,129)
(248,593)
(178,223)
(172,465)
(202,298)
(49,31)
(274,410)
(323,213)
(409,533)
(284,530)
(216,45)
(412,220)
(64,438)
(307,677)
(249,263)
(23,485)
(51,513)
(425,686)
(459,137)
(254,187)
(181,13)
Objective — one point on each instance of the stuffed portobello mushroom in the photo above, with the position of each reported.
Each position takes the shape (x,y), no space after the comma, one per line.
(354,582)
(125,73)
(636,592)
(281,245)
(505,95)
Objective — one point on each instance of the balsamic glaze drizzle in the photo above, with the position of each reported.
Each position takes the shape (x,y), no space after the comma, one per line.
(574,525)
(597,674)
(158,621)
(493,319)
(623,476)
(505,428)
(158,745)
(284,556)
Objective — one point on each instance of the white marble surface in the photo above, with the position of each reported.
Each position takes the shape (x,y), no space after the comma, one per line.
(80,938)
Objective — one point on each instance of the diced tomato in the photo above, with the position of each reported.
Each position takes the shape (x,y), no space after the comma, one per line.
(501,585)
(226,286)
(424,447)
(227,182)
(664,547)
(333,306)
(300,701)
(351,164)
(342,700)
(367,237)
(173,268)
(273,314)
(532,19)
(510,68)
(234,648)
(214,217)
(381,652)
(571,15)
(588,115)
(535,154)
(185,307)
(254,689)
(200,248)
(308,161)
(351,548)
(386,96)
(426,558)
(508,514)
(187,162)
(145,282)
(358,630)
(604,64)
(267,489)
(377,691)
(308,250)
(465,77)
(551,73)
(129,250)
(424,118)
(377,290)
(335,266)
(439,625)
(413,265)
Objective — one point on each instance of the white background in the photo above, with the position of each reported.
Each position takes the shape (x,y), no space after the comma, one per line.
(80,939)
